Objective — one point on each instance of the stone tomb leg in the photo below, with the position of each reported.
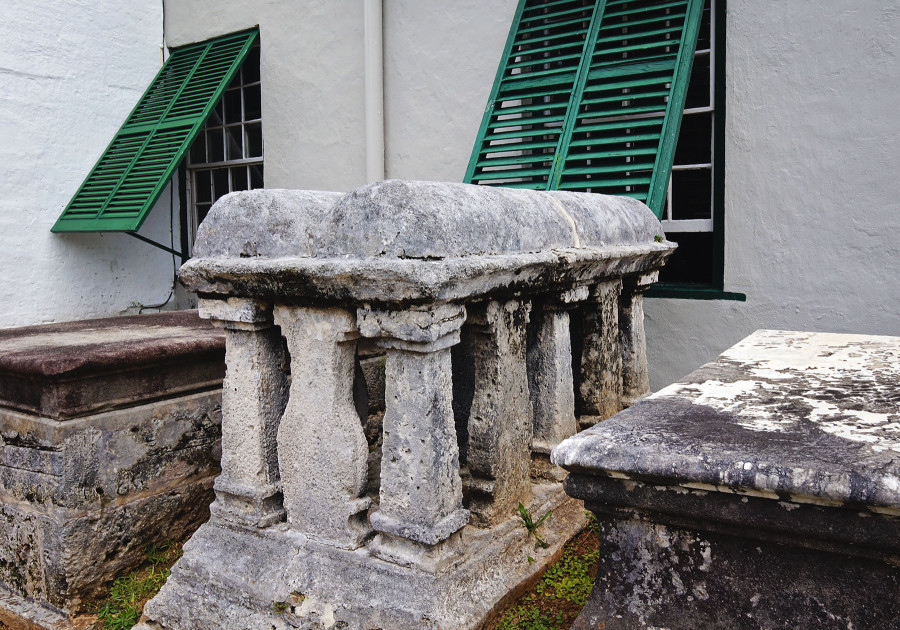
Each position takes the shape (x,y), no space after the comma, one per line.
(248,491)
(421,491)
(635,376)
(550,380)
(500,420)
(321,444)
(600,391)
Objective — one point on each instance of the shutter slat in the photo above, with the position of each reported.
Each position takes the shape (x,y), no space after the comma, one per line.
(128,178)
(589,96)
(630,103)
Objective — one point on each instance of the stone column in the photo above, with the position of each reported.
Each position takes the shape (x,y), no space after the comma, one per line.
(550,381)
(421,493)
(322,449)
(248,490)
(600,391)
(635,377)
(500,421)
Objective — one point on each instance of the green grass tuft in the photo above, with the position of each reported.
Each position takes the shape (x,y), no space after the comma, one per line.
(122,608)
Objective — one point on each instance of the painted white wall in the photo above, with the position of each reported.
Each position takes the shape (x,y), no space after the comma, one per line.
(812,182)
(812,148)
(440,62)
(311,69)
(70,72)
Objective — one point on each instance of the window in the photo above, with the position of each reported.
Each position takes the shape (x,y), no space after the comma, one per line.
(589,96)
(138,164)
(693,213)
(228,153)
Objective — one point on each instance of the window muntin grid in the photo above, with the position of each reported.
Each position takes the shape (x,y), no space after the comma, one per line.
(228,154)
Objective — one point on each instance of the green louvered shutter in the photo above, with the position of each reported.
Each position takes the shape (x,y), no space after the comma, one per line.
(617,131)
(532,94)
(137,165)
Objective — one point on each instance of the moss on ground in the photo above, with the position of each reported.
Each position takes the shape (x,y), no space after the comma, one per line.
(557,599)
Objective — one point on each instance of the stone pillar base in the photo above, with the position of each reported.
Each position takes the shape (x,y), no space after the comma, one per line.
(274,578)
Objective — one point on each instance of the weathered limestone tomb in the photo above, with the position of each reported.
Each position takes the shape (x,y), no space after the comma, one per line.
(475,296)
(110,435)
(763,491)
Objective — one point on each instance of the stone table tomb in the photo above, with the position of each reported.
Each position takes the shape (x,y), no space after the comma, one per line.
(763,491)
(476,297)
(110,438)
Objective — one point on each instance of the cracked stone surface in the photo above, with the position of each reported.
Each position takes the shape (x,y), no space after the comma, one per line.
(759,492)
(406,242)
(808,415)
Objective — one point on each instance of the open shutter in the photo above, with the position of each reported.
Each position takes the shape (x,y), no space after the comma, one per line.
(618,129)
(532,94)
(135,168)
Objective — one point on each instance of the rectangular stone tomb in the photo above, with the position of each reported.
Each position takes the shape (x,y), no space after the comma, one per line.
(763,491)
(110,435)
(326,519)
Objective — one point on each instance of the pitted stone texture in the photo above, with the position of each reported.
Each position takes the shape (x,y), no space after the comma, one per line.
(759,492)
(400,244)
(788,414)
(660,575)
(266,223)
(432,220)
(254,395)
(635,376)
(82,499)
(237,313)
(322,449)
(421,493)
(500,420)
(274,578)
(550,386)
(600,390)
(425,326)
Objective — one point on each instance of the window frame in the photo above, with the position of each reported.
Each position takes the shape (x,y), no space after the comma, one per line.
(222,124)
(715,289)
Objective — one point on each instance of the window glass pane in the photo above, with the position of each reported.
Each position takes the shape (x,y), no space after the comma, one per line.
(235,138)
(216,117)
(252,107)
(202,187)
(198,150)
(254,140)
(703,36)
(256,176)
(695,139)
(251,66)
(202,211)
(239,178)
(692,194)
(215,146)
(698,88)
(692,262)
(220,182)
(232,106)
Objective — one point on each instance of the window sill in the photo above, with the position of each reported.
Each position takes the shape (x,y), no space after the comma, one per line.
(692,292)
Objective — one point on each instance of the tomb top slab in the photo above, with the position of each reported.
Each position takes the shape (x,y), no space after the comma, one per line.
(416,242)
(74,368)
(799,416)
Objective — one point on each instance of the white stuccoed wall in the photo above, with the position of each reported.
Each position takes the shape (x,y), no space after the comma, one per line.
(440,59)
(70,72)
(812,156)
(812,183)
(311,65)
(440,62)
